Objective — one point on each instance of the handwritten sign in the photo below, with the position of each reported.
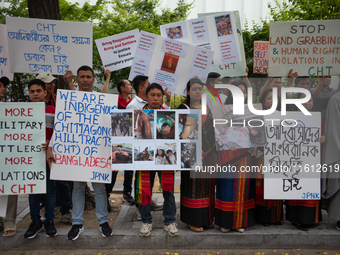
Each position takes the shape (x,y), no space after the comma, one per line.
(312,48)
(234,68)
(118,51)
(3,206)
(4,60)
(23,164)
(261,57)
(52,46)
(81,138)
(169,62)
(215,32)
(292,156)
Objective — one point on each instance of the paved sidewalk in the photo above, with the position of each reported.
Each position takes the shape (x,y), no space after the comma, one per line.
(126,235)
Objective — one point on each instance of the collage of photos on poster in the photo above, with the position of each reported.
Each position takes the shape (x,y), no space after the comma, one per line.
(155,139)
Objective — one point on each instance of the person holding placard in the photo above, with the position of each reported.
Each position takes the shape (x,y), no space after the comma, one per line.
(37,93)
(4,81)
(198,194)
(154,95)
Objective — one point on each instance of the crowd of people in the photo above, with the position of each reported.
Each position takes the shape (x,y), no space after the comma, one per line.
(230,203)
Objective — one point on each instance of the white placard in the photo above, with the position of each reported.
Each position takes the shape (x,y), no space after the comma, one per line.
(169,62)
(292,156)
(4,59)
(310,48)
(52,46)
(82,136)
(23,162)
(118,51)
(3,206)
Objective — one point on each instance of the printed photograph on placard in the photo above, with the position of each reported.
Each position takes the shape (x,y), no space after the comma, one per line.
(144,152)
(174,32)
(144,124)
(121,124)
(169,63)
(189,155)
(166,153)
(165,124)
(188,126)
(223,25)
(121,153)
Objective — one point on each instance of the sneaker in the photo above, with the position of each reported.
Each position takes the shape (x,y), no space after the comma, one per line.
(225,230)
(105,229)
(139,217)
(129,199)
(145,229)
(66,218)
(50,229)
(338,225)
(33,230)
(155,206)
(75,231)
(172,229)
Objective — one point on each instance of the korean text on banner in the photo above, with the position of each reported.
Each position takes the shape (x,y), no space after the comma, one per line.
(4,59)
(311,48)
(81,138)
(118,51)
(23,163)
(40,45)
(292,156)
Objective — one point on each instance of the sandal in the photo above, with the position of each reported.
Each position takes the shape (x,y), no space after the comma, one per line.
(10,230)
(195,228)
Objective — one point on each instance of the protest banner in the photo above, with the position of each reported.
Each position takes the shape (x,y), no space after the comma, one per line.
(311,48)
(3,206)
(81,138)
(215,32)
(161,139)
(53,46)
(23,163)
(261,57)
(166,61)
(118,51)
(4,60)
(292,156)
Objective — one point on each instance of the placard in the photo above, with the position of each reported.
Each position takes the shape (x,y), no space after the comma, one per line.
(4,60)
(292,156)
(118,51)
(310,48)
(261,57)
(23,163)
(81,138)
(169,62)
(53,46)
(3,206)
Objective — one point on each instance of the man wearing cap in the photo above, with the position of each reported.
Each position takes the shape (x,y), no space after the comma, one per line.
(48,79)
(4,81)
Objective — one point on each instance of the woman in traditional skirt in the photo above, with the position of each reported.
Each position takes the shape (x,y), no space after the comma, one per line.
(235,194)
(198,194)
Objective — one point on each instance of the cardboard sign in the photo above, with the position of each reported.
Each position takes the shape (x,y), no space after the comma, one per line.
(261,57)
(169,62)
(53,46)
(310,48)
(4,60)
(81,138)
(118,51)
(292,156)
(23,163)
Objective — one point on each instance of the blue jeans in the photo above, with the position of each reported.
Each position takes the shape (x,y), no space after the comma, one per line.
(64,196)
(48,198)
(78,199)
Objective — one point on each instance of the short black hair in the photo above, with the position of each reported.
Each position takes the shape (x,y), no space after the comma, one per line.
(212,76)
(85,68)
(226,79)
(300,78)
(120,84)
(37,82)
(154,86)
(165,124)
(169,150)
(138,81)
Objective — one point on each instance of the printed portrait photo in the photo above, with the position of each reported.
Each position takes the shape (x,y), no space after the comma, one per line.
(223,25)
(121,124)
(166,127)
(188,155)
(143,124)
(121,153)
(166,154)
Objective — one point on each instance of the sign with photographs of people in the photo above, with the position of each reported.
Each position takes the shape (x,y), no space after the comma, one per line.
(155,139)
